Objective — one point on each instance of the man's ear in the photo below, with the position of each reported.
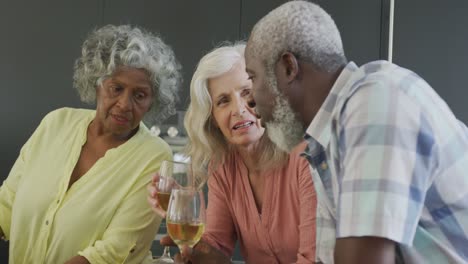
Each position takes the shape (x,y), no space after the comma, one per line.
(287,67)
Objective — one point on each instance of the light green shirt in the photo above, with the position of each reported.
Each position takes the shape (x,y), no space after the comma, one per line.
(104,216)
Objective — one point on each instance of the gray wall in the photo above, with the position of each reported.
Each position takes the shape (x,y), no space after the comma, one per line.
(40,42)
(431,38)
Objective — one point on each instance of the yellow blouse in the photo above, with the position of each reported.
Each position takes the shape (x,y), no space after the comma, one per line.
(104,216)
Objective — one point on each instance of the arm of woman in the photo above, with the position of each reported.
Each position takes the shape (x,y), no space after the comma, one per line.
(8,193)
(217,243)
(78,260)
(308,207)
(11,184)
(130,233)
(220,229)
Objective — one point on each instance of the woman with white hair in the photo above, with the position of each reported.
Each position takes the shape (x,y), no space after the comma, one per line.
(258,195)
(75,194)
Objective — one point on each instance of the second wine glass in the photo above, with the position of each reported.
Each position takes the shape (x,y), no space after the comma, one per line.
(185,216)
(172,175)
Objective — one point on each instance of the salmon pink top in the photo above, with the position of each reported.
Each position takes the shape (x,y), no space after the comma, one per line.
(284,232)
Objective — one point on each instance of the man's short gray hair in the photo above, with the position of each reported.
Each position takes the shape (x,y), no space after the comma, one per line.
(110,47)
(302,28)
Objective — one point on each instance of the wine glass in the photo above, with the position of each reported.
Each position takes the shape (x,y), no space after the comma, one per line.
(185,216)
(172,175)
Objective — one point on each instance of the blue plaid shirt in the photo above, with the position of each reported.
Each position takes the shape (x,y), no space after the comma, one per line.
(390,160)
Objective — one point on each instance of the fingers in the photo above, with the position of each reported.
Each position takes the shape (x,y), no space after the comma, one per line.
(155,178)
(201,253)
(153,200)
(186,252)
(152,189)
(167,241)
(156,207)
(178,259)
(185,255)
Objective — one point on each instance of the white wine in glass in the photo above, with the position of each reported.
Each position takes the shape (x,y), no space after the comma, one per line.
(172,175)
(163,199)
(185,216)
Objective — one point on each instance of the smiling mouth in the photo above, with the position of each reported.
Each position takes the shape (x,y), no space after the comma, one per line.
(243,125)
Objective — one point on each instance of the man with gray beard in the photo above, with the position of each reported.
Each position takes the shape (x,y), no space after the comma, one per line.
(389,158)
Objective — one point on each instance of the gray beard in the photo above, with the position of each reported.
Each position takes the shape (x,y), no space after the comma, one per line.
(284,130)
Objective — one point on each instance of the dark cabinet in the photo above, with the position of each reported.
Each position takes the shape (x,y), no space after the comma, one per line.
(430,38)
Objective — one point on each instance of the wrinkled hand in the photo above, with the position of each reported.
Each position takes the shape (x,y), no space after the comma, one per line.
(201,253)
(152,195)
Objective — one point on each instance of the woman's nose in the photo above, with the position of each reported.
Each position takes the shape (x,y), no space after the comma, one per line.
(239,111)
(125,102)
(239,107)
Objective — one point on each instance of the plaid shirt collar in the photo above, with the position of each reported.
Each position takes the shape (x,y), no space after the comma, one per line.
(319,129)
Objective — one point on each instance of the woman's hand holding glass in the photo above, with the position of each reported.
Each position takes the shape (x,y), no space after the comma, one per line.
(172,175)
(159,191)
(185,218)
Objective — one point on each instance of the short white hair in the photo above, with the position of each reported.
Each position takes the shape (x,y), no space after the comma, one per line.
(207,143)
(302,28)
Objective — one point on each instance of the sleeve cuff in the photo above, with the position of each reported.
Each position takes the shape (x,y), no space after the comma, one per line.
(384,227)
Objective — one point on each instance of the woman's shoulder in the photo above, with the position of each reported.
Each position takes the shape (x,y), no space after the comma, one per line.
(146,152)
(151,144)
(295,154)
(226,169)
(69,111)
(297,165)
(65,119)
(67,115)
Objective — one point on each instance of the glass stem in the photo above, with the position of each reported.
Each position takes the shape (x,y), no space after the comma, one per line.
(166,252)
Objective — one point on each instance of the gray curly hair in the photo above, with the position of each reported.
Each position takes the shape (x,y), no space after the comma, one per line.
(302,28)
(110,47)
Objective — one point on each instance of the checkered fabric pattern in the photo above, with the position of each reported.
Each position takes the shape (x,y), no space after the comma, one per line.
(390,160)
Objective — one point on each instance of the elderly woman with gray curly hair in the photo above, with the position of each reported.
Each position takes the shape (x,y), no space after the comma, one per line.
(76,193)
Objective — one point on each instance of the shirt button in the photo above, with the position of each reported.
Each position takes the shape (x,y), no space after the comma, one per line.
(47,222)
(58,201)
(323,165)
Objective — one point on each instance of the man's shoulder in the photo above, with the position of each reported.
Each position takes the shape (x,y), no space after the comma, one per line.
(379,79)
